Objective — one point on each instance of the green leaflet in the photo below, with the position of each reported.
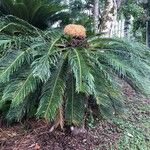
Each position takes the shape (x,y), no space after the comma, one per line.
(108,95)
(3,42)
(130,68)
(13,66)
(41,68)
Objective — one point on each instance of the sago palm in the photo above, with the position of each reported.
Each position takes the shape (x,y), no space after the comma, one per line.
(39,13)
(66,78)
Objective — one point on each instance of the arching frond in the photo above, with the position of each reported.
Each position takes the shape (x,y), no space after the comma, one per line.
(27,108)
(129,61)
(108,94)
(52,95)
(13,60)
(14,26)
(42,66)
(27,86)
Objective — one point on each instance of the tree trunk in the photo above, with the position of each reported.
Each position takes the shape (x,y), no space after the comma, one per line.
(148,33)
(146,6)
(127,25)
(66,2)
(96,16)
(119,2)
(108,17)
(114,22)
(148,25)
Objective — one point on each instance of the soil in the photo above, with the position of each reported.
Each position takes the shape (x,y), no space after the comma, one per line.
(36,135)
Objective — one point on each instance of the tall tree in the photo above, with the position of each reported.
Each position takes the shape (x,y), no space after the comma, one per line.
(127,15)
(148,25)
(96,15)
(108,17)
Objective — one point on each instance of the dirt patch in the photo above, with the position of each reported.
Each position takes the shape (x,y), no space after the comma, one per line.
(39,137)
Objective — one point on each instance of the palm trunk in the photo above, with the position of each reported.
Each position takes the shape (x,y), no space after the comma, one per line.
(96,15)
(127,25)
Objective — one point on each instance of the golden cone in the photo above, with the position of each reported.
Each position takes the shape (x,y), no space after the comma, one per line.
(75,30)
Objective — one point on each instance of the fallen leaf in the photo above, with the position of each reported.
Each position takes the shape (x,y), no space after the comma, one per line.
(37,146)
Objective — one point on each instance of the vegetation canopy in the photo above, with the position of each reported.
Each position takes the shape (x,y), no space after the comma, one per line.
(42,74)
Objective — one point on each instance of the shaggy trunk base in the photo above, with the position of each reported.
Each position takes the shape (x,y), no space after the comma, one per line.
(77,41)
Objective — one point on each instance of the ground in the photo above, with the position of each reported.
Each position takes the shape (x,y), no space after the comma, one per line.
(129,132)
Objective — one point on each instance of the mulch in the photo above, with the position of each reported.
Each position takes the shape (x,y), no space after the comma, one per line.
(36,135)
(39,137)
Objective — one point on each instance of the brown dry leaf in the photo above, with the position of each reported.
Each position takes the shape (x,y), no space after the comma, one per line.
(59,121)
(37,147)
(31,146)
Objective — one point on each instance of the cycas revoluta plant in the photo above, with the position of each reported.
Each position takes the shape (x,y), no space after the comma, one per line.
(39,13)
(66,78)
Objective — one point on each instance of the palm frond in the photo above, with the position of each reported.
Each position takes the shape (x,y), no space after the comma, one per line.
(52,95)
(8,93)
(13,60)
(42,66)
(81,70)
(126,60)
(28,86)
(14,26)
(27,108)
(108,95)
